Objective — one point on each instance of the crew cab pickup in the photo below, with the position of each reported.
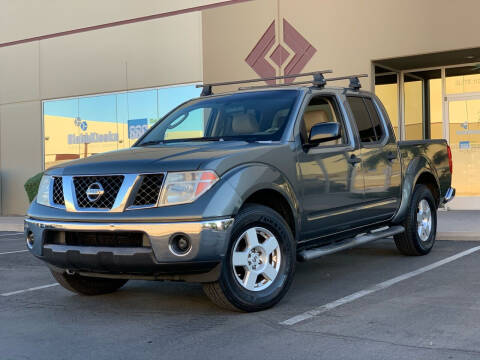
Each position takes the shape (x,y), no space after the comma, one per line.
(230,190)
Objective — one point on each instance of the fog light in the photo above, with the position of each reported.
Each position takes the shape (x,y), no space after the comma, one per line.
(180,244)
(30,240)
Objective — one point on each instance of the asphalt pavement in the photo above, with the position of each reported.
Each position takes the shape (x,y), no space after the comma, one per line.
(431,311)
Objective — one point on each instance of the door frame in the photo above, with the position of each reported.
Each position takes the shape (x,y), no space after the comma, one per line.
(446,103)
(460,202)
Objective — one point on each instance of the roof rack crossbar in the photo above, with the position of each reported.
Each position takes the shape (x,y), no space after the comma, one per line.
(277,85)
(317,75)
(354,82)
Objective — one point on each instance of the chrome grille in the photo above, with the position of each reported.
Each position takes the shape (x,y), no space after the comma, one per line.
(149,190)
(111,186)
(58,198)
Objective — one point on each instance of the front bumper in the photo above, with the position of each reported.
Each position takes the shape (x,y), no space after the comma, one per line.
(209,240)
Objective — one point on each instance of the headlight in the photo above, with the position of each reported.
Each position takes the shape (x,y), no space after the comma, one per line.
(43,195)
(186,187)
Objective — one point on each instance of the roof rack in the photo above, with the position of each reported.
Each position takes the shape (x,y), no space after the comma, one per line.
(318,80)
(354,82)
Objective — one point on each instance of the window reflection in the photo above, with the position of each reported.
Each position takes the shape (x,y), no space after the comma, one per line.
(413,93)
(423,105)
(59,122)
(386,88)
(436,108)
(97,123)
(462,80)
(142,112)
(80,127)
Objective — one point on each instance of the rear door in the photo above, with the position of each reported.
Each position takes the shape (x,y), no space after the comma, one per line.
(380,161)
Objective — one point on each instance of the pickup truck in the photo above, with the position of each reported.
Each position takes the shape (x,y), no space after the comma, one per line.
(231,189)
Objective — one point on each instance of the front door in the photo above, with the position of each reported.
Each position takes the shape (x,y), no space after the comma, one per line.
(463,135)
(332,180)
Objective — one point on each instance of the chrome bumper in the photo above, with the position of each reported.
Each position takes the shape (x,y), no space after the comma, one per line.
(449,195)
(209,240)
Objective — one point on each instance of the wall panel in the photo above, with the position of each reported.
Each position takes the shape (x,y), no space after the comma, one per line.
(20,152)
(19,75)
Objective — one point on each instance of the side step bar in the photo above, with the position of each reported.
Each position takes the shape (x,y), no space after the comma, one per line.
(314,253)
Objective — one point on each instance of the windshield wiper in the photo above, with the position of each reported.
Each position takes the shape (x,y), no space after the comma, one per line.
(151,142)
(213,138)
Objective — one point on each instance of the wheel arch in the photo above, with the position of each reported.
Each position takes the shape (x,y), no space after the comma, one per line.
(419,171)
(426,178)
(276,201)
(265,185)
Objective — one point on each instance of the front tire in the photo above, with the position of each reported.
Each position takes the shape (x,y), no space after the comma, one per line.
(86,285)
(259,265)
(420,224)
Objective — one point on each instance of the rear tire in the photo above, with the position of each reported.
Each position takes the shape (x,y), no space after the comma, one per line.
(86,285)
(420,224)
(259,265)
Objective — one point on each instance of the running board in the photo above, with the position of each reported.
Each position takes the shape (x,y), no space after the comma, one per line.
(314,253)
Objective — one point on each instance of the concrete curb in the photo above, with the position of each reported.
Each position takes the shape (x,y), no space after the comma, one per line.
(458,236)
(11,223)
(11,227)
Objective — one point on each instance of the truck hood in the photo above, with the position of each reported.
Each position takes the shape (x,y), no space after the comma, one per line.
(217,155)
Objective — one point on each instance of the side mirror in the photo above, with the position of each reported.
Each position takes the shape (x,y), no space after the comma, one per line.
(324,132)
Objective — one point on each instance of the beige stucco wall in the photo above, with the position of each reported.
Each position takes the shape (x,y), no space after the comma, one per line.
(20,19)
(157,52)
(347,34)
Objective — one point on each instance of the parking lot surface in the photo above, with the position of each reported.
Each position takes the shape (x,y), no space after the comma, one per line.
(430,314)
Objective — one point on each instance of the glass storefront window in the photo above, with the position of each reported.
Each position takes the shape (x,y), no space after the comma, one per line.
(413,95)
(462,80)
(423,105)
(142,112)
(386,88)
(435,107)
(79,127)
(59,123)
(462,87)
(464,140)
(97,123)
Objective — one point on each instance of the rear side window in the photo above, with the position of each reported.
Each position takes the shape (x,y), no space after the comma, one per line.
(366,117)
(377,126)
(362,119)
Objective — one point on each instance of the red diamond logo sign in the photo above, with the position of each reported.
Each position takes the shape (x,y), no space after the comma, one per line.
(295,48)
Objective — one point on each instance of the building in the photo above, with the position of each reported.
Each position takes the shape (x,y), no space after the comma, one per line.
(78,78)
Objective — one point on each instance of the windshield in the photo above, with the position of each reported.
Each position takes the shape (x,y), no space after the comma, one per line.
(252,116)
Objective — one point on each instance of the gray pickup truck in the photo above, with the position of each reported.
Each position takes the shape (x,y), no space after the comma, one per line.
(230,190)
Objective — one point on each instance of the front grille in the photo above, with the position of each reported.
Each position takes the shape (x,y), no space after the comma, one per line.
(110,184)
(149,190)
(97,239)
(58,198)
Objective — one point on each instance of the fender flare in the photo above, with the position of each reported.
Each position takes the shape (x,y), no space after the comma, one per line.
(417,167)
(247,179)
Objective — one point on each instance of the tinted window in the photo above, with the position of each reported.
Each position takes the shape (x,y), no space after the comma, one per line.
(362,119)
(251,116)
(377,125)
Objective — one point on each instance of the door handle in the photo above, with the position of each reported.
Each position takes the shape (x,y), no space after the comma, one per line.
(391,155)
(354,160)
